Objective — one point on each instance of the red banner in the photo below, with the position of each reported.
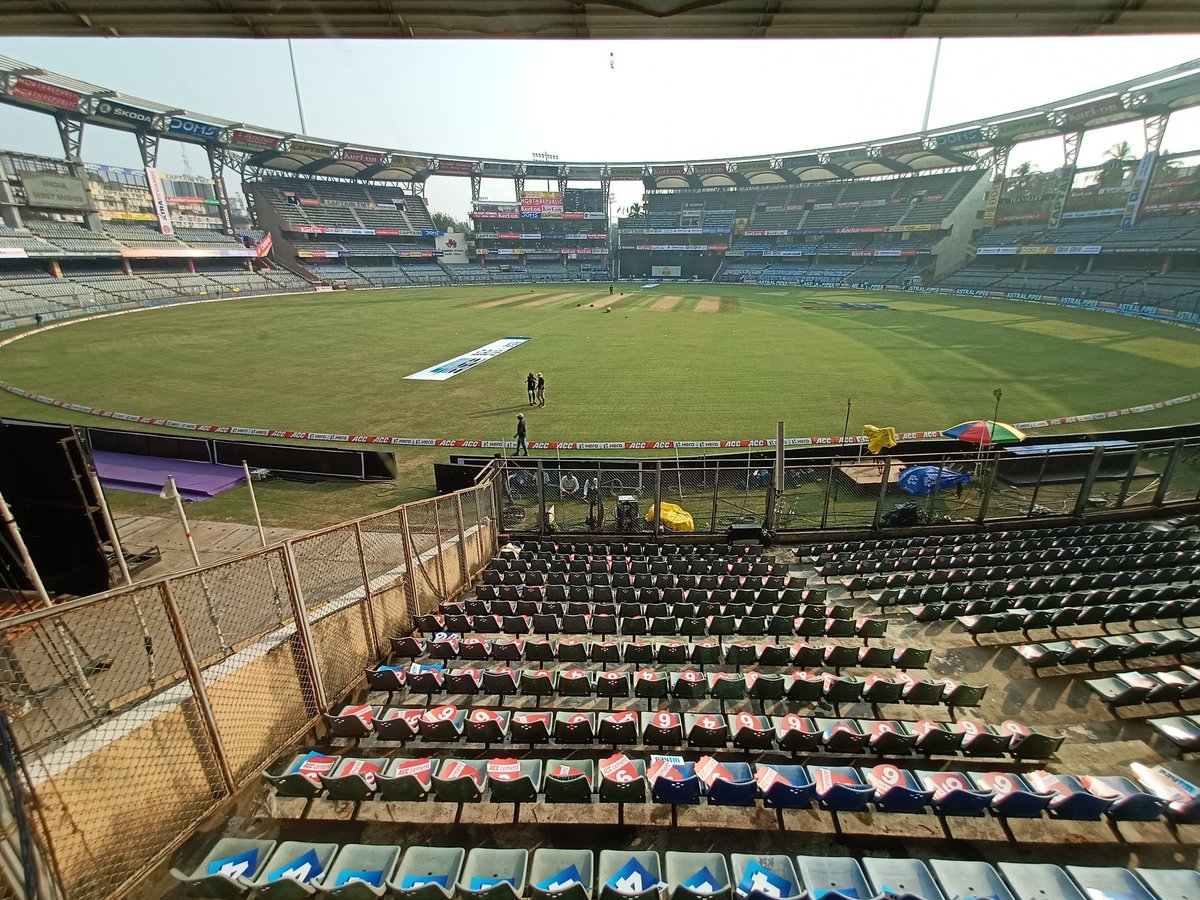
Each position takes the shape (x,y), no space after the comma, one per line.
(251,139)
(455,167)
(47,94)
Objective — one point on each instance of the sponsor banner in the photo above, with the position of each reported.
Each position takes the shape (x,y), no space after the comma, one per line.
(802,162)
(901,148)
(366,157)
(45,94)
(1087,112)
(453,248)
(253,140)
(13,253)
(501,170)
(1028,217)
(625,171)
(572,215)
(661,171)
(666,271)
(307,201)
(970,137)
(123,113)
(753,165)
(1072,250)
(201,131)
(585,173)
(1030,126)
(307,148)
(1174,207)
(416,163)
(991,201)
(318,254)
(158,201)
(668,231)
(768,233)
(455,167)
(1137,188)
(544,203)
(996,251)
(1093,213)
(451,367)
(263,247)
(121,215)
(710,169)
(841,156)
(537,170)
(54,190)
(170,252)
(427,232)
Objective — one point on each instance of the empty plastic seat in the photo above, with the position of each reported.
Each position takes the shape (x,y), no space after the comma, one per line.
(301,777)
(840,788)
(561,874)
(405,778)
(954,793)
(1183,884)
(1097,881)
(896,789)
(968,878)
(228,868)
(629,875)
(359,871)
(833,877)
(514,781)
(428,873)
(293,870)
(764,877)
(622,780)
(459,780)
(494,874)
(569,780)
(697,876)
(902,876)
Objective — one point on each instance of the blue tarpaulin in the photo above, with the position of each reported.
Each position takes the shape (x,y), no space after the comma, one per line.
(921,481)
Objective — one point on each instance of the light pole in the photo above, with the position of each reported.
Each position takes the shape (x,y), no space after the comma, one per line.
(546,157)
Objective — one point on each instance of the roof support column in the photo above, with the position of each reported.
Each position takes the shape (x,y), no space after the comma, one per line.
(1072,141)
(218,161)
(1154,128)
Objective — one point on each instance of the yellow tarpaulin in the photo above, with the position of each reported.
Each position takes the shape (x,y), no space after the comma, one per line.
(674,518)
(879,439)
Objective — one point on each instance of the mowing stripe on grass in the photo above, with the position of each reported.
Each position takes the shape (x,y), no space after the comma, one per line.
(553,298)
(665,304)
(503,301)
(708,305)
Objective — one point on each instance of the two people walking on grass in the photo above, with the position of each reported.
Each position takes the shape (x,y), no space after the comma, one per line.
(535,386)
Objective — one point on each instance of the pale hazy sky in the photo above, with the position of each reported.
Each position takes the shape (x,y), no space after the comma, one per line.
(659,101)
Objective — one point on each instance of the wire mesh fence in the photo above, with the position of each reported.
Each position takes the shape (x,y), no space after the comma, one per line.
(138,711)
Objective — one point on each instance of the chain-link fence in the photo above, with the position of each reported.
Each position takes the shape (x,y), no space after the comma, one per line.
(138,711)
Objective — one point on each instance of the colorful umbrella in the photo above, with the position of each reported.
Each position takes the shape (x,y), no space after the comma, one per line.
(985,431)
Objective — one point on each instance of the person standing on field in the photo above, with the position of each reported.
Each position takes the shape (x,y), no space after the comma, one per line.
(531,387)
(541,389)
(520,435)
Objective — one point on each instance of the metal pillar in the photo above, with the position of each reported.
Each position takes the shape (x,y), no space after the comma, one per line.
(1154,127)
(441,553)
(476,184)
(300,614)
(462,541)
(562,185)
(1085,489)
(10,213)
(219,159)
(519,185)
(70,130)
(541,498)
(1134,461)
(1072,141)
(883,488)
(148,148)
(1160,495)
(368,597)
(196,680)
(410,573)
(657,499)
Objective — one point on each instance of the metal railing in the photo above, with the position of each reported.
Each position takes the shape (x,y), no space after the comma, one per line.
(855,490)
(140,711)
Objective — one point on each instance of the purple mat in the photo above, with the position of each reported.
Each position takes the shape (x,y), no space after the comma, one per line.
(147,474)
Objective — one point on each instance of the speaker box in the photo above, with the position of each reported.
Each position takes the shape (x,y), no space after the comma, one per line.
(745,534)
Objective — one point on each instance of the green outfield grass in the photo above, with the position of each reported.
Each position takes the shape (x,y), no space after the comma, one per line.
(673,362)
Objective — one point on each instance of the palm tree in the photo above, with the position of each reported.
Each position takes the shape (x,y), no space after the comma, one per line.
(1024,169)
(635,210)
(1119,157)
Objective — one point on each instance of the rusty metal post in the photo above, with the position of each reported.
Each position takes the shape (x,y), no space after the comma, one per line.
(303,632)
(463,567)
(368,599)
(410,572)
(196,680)
(440,548)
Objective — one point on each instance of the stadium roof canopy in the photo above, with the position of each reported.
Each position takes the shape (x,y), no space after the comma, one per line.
(74,103)
(606,19)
